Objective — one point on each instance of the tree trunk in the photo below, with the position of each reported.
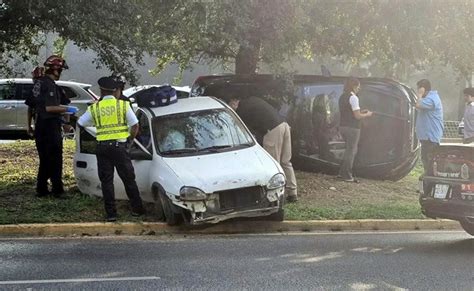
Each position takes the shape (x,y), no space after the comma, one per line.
(247,58)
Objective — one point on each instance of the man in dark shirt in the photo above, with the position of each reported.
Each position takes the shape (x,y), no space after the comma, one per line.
(46,101)
(349,126)
(271,131)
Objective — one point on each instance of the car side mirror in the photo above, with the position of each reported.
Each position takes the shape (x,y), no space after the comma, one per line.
(132,99)
(139,154)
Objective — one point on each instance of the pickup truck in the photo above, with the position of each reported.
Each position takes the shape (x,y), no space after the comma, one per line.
(448,189)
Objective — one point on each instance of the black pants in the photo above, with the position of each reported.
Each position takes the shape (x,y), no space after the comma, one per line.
(110,156)
(427,149)
(49,143)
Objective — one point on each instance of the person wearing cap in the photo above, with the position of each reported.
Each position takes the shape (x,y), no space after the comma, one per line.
(116,123)
(469,115)
(47,104)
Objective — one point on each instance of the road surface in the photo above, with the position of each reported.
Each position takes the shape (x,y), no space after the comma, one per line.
(325,261)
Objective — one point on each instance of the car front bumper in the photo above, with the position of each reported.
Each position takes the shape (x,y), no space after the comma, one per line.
(214,210)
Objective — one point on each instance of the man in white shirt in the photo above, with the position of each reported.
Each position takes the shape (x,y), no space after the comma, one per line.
(115,122)
(469,115)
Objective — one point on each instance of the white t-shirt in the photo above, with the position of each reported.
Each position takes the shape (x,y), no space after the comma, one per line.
(354,101)
(469,120)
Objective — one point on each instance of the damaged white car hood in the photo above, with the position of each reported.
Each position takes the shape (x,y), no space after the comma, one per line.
(226,170)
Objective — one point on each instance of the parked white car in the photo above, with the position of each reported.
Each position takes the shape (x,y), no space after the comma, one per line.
(14,92)
(196,160)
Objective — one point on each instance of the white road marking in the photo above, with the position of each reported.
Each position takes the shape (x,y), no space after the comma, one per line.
(78,280)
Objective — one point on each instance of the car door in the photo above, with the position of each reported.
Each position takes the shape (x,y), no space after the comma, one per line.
(8,115)
(85,164)
(23,91)
(141,153)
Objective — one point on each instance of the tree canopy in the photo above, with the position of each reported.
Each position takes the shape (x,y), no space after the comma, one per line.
(392,35)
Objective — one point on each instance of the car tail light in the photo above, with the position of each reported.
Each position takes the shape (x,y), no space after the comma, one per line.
(465,172)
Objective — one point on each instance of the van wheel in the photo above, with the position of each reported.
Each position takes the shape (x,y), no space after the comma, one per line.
(467,226)
(171,217)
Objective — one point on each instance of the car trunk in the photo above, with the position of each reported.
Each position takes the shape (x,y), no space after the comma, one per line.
(454,164)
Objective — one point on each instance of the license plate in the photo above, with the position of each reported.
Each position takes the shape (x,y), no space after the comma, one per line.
(441,191)
(467,188)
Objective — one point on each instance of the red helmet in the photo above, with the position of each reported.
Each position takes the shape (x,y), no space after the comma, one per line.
(55,62)
(38,72)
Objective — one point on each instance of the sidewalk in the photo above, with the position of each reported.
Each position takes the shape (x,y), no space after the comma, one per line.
(236,227)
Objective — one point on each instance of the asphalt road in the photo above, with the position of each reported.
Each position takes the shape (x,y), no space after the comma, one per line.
(325,261)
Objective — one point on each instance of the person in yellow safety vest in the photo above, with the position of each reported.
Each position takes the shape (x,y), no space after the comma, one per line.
(112,119)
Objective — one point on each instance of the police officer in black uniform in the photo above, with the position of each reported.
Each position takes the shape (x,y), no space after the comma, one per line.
(48,121)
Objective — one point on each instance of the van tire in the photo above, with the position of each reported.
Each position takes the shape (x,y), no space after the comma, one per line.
(171,217)
(467,226)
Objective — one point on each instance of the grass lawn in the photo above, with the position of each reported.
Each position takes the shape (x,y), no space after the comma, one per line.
(321,196)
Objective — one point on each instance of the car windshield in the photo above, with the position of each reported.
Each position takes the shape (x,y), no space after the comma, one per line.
(199,132)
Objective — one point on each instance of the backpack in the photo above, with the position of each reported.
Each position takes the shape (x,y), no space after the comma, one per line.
(156,96)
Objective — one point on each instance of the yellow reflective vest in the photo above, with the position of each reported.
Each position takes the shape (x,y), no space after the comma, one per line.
(110,119)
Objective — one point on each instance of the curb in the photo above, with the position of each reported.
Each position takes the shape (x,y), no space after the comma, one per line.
(236,227)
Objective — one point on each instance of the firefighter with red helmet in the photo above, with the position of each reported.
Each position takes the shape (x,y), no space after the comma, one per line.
(48,101)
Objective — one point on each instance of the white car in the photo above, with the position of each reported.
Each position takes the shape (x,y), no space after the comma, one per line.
(181,91)
(196,161)
(14,92)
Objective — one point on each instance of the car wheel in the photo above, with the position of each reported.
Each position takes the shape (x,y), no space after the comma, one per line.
(280,215)
(157,206)
(467,226)
(171,217)
(72,133)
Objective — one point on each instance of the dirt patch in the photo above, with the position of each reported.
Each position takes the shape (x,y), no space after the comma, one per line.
(324,190)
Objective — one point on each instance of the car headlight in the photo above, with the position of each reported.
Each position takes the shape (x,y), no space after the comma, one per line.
(276,181)
(192,194)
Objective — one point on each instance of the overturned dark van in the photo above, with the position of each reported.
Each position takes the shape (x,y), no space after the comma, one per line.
(388,147)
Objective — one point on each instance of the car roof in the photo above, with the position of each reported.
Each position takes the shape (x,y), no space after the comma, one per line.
(132,90)
(30,81)
(299,78)
(188,105)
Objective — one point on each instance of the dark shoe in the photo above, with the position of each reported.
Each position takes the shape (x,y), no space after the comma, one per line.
(111,218)
(291,199)
(138,212)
